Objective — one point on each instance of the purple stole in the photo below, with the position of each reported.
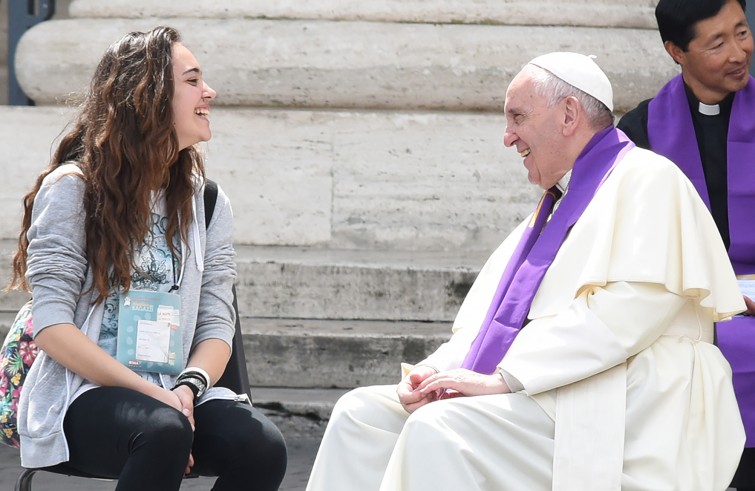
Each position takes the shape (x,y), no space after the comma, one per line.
(671,133)
(535,252)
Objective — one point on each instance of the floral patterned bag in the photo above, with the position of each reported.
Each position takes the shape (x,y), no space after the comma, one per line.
(16,356)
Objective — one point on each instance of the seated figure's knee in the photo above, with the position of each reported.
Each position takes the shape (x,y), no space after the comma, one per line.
(349,403)
(248,447)
(428,420)
(366,404)
(266,448)
(167,430)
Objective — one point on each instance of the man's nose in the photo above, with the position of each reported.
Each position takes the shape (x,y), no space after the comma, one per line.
(508,137)
(739,50)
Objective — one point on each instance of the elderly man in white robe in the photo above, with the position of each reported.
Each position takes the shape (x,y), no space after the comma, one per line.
(581,358)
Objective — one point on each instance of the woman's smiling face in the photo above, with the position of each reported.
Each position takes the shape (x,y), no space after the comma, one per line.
(191,99)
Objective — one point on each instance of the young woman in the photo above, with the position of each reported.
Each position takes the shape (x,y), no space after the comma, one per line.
(132,296)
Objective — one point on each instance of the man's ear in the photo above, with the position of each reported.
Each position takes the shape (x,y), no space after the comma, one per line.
(572,113)
(677,53)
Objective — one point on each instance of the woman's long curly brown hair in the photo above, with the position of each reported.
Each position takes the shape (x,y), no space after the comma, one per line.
(124,142)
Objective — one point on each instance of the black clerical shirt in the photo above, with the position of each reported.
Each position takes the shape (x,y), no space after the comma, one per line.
(711,134)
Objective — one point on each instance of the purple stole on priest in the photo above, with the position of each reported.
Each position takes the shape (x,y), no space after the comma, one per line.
(671,133)
(536,250)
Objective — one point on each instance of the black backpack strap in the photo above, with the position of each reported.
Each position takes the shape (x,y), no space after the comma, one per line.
(210,199)
(235,376)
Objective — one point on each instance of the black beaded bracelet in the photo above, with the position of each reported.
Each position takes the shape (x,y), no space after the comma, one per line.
(191,385)
(195,383)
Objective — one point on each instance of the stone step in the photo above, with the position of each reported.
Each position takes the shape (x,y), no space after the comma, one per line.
(601,13)
(298,353)
(315,403)
(298,413)
(423,181)
(327,354)
(302,283)
(348,64)
(352,284)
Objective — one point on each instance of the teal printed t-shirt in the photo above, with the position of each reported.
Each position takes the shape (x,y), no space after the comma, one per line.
(157,270)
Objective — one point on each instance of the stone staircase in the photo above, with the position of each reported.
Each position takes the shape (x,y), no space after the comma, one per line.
(361,146)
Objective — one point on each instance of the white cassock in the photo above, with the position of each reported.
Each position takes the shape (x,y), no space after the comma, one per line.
(620,386)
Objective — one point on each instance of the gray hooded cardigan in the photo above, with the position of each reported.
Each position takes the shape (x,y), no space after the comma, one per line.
(57,273)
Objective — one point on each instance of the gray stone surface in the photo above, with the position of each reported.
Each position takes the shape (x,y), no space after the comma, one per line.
(26,136)
(303,313)
(348,178)
(305,283)
(293,402)
(306,354)
(348,64)
(360,284)
(601,13)
(433,283)
(337,179)
(295,353)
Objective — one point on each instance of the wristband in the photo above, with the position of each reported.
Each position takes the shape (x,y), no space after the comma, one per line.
(195,381)
(196,372)
(190,383)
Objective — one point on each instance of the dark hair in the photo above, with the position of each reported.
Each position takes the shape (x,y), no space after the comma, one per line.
(677,18)
(124,142)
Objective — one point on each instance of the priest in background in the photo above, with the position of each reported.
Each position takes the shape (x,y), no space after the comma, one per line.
(582,357)
(704,121)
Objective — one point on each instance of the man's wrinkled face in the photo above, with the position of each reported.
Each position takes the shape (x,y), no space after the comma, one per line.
(533,128)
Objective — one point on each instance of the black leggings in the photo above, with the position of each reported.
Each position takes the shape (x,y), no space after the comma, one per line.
(120,433)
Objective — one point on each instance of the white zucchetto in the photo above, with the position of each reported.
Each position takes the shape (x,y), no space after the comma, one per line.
(579,71)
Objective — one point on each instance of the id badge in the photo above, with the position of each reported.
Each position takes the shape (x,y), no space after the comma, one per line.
(149,332)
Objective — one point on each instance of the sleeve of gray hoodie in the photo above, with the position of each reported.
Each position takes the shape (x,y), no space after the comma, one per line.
(216,317)
(56,265)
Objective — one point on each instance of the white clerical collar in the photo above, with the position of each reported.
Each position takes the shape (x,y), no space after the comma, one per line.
(563,183)
(708,109)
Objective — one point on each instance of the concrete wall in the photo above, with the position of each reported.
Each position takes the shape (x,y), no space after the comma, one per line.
(330,178)
(348,64)
(593,13)
(344,124)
